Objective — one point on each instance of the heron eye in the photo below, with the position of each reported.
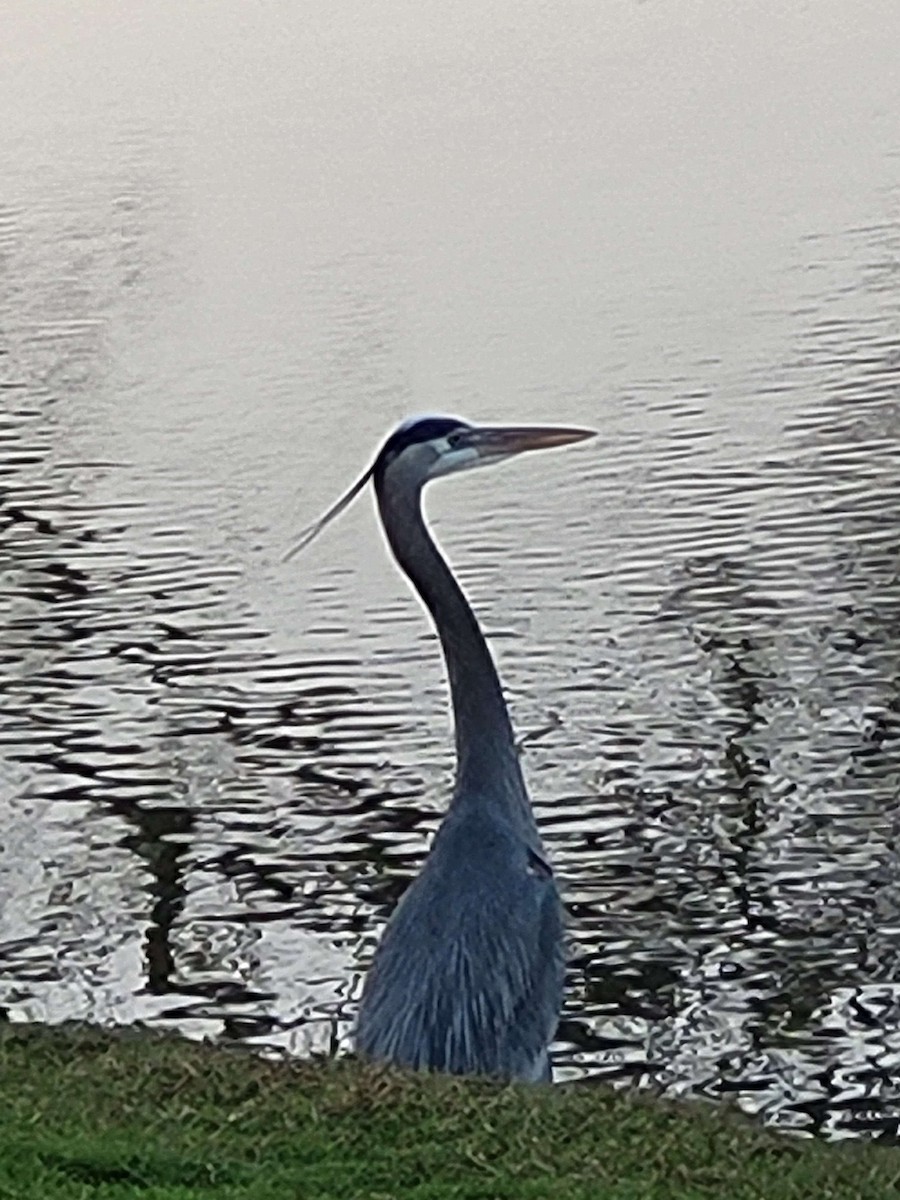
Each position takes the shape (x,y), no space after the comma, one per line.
(453,440)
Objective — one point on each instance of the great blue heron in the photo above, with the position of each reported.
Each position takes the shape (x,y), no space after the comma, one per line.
(468,976)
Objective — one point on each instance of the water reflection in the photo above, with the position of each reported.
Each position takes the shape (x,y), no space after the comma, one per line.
(218,774)
(770,864)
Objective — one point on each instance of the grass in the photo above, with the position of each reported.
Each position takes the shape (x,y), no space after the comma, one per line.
(87,1114)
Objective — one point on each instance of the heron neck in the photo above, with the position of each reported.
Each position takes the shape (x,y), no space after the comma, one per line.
(487,762)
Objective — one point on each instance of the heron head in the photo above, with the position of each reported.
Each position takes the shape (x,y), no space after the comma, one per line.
(428,447)
(425,448)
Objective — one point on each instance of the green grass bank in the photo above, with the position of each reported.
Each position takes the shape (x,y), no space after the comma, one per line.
(135,1115)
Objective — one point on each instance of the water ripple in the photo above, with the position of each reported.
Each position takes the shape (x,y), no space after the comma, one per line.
(218,773)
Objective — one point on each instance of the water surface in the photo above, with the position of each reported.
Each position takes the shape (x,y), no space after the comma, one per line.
(236,245)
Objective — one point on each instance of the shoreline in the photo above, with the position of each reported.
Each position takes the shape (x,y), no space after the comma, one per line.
(135,1113)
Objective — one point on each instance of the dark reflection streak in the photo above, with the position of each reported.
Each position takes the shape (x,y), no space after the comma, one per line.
(745,765)
(163,859)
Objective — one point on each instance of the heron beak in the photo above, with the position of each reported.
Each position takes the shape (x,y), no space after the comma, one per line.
(503,440)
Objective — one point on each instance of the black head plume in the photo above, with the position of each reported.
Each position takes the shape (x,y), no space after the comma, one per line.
(410,433)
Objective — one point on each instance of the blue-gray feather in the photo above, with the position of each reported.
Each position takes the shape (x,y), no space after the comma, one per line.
(483,990)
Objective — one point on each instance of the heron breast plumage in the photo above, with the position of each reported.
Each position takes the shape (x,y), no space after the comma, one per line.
(484,990)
